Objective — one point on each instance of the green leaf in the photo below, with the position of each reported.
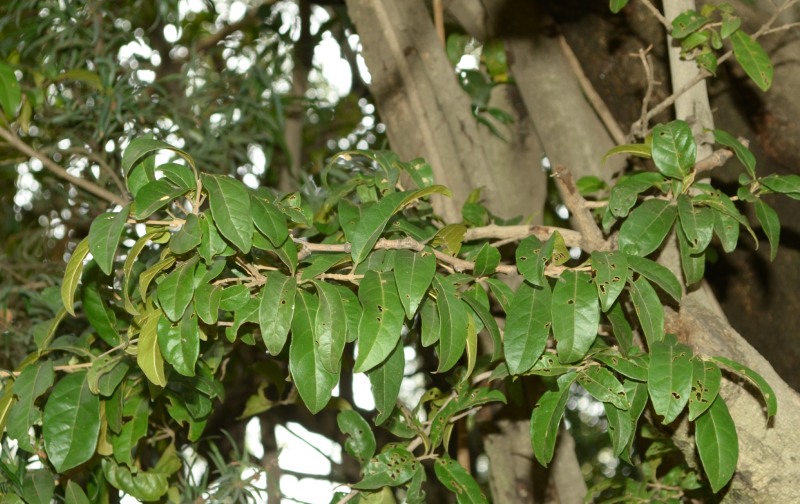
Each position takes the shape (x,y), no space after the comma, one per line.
(620,326)
(697,223)
(381,321)
(753,59)
(669,378)
(148,356)
(674,149)
(269,220)
(277,310)
(603,386)
(140,147)
(658,274)
(180,344)
(107,373)
(153,196)
(527,327)
(32,382)
(74,494)
(72,275)
(646,227)
(620,427)
(179,175)
(452,325)
(756,379)
(730,24)
(97,312)
(413,273)
(175,292)
(717,444)
(127,269)
(429,319)
(10,93)
(486,260)
(687,22)
(146,486)
(360,443)
(633,366)
(234,297)
(386,379)
(456,479)
(501,292)
(784,184)
(330,329)
(71,422)
(649,310)
(532,256)
(391,467)
(546,418)
(314,383)
(287,252)
(132,431)
(693,264)
(489,323)
(742,153)
(727,229)
(230,208)
(150,273)
(104,235)
(706,380)
(372,224)
(450,238)
(206,302)
(610,272)
(625,193)
(38,487)
(638,150)
(770,224)
(188,237)
(576,315)
(247,313)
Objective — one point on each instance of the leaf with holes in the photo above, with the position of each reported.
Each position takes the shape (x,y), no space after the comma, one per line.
(717,444)
(360,442)
(697,223)
(413,273)
(753,59)
(576,315)
(527,327)
(71,422)
(626,192)
(392,467)
(610,272)
(230,208)
(546,418)
(669,378)
(706,381)
(687,23)
(501,292)
(649,310)
(603,386)
(381,321)
(104,235)
(532,256)
(385,380)
(756,379)
(452,325)
(646,227)
(633,366)
(456,479)
(314,383)
(770,224)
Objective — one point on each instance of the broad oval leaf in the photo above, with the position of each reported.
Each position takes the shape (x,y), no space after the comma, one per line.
(188,237)
(697,223)
(175,292)
(576,315)
(206,302)
(669,378)
(144,485)
(153,196)
(313,381)
(610,272)
(361,441)
(179,175)
(373,222)
(104,235)
(72,275)
(453,476)
(385,380)
(603,386)
(625,193)
(276,310)
(687,23)
(429,320)
(230,208)
(486,260)
(453,325)
(646,227)
(532,256)
(649,310)
(674,149)
(141,147)
(180,344)
(527,327)
(717,443)
(413,273)
(10,93)
(381,321)
(706,381)
(392,467)
(269,220)
(546,418)
(753,59)
(71,422)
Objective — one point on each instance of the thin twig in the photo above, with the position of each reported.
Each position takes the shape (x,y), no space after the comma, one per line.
(657,14)
(17,143)
(592,236)
(103,165)
(648,70)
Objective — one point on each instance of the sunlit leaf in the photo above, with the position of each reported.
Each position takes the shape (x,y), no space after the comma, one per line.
(381,321)
(71,422)
(638,150)
(269,220)
(104,235)
(330,327)
(180,343)
(175,292)
(141,147)
(149,356)
(230,207)
(153,196)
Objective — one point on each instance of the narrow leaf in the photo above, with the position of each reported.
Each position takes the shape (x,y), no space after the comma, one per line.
(176,290)
(756,379)
(381,321)
(771,225)
(385,380)
(330,327)
(546,418)
(148,356)
(140,147)
(658,274)
(744,155)
(610,272)
(453,325)
(486,260)
(10,93)
(576,315)
(97,312)
(646,227)
(313,382)
(104,235)
(693,264)
(603,386)
(72,275)
(490,324)
(372,224)
(527,327)
(413,273)
(456,479)
(649,310)
(706,380)
(717,443)
(697,223)
(638,150)
(269,220)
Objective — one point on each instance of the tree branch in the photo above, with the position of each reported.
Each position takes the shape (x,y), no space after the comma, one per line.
(591,236)
(17,143)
